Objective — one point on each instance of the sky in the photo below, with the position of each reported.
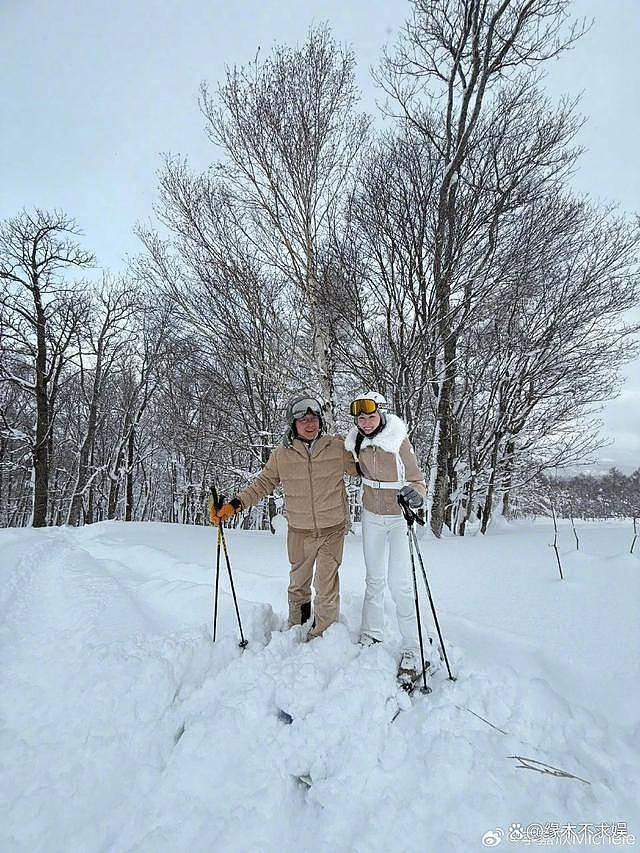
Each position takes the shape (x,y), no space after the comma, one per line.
(92,94)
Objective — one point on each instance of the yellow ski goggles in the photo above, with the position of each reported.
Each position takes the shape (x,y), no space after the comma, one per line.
(363,406)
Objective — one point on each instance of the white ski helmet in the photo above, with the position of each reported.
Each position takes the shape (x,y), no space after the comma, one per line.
(377,396)
(367,403)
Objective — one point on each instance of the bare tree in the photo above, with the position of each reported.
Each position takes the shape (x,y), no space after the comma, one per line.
(107,332)
(16,420)
(451,62)
(144,364)
(41,314)
(291,137)
(551,343)
(239,317)
(230,309)
(390,215)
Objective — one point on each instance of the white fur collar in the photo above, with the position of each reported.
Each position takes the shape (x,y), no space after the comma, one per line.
(390,438)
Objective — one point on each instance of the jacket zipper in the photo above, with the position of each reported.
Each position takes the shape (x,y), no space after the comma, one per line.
(375,477)
(313,513)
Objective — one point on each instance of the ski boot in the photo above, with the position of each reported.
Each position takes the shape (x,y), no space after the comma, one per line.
(409,670)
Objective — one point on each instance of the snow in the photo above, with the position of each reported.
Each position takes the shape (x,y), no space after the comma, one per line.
(13,434)
(125,729)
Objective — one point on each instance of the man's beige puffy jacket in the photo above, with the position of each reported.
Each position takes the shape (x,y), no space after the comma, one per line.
(313,482)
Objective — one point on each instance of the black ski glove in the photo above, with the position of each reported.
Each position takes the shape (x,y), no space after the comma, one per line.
(410,497)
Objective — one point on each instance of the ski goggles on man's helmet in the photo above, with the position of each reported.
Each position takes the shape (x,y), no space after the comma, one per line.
(302,407)
(363,406)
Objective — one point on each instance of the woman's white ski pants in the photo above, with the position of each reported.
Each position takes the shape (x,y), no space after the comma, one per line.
(386,557)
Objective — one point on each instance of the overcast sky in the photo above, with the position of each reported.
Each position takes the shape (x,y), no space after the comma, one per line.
(92,92)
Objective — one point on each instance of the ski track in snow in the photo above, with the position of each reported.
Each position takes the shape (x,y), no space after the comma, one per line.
(125,729)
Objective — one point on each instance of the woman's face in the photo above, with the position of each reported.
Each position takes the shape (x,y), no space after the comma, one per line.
(368,423)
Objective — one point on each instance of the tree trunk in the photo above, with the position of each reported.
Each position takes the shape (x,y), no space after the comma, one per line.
(89,513)
(508,479)
(441,490)
(41,462)
(449,518)
(112,503)
(467,505)
(86,450)
(321,346)
(271,505)
(40,451)
(3,503)
(114,486)
(488,503)
(75,507)
(128,513)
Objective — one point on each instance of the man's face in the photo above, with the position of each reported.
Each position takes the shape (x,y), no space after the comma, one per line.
(369,423)
(308,427)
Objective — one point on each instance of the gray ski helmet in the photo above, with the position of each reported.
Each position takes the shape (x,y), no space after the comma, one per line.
(300,404)
(297,407)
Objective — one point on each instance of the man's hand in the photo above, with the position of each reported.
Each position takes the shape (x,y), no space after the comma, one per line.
(225,512)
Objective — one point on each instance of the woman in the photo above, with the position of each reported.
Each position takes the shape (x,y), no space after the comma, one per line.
(387,464)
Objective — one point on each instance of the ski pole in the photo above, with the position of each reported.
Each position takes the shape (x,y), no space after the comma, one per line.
(221,539)
(424,688)
(433,607)
(243,643)
(411,514)
(215,595)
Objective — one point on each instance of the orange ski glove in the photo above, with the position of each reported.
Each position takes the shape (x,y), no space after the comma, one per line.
(226,511)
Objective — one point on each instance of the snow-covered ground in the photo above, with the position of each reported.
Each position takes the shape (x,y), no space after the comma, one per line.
(125,729)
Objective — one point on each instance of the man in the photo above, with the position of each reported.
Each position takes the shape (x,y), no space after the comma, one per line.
(310,466)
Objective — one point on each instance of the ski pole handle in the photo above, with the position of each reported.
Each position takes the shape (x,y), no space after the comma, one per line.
(410,514)
(218,500)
